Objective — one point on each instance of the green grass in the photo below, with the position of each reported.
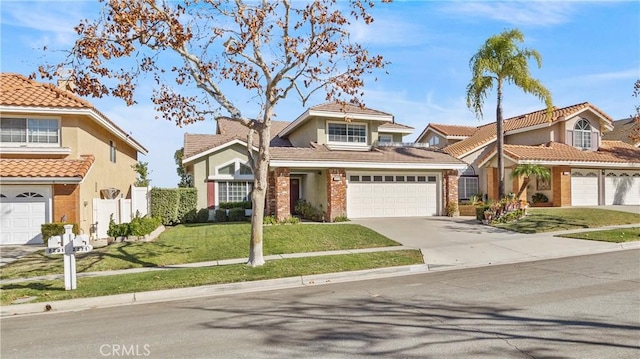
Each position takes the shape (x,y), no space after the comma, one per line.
(558,219)
(620,235)
(181,278)
(201,243)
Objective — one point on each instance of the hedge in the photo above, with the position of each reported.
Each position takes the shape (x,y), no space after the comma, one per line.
(49,230)
(173,205)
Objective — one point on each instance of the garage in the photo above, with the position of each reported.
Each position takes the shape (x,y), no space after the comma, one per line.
(392,195)
(584,187)
(622,187)
(23,210)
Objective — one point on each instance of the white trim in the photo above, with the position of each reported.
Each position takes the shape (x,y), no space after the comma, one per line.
(81,111)
(493,154)
(332,114)
(28,144)
(35,150)
(395,130)
(366,165)
(215,149)
(41,180)
(446,137)
(582,164)
(236,169)
(344,146)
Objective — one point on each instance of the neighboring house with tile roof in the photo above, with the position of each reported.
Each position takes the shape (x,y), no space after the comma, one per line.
(57,152)
(586,170)
(346,160)
(622,130)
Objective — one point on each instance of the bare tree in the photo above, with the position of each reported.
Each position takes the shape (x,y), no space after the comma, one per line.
(634,135)
(197,50)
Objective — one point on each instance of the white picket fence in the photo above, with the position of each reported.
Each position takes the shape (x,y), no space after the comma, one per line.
(122,210)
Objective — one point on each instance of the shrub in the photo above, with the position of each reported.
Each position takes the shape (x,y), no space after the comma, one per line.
(49,230)
(341,219)
(202,216)
(220,215)
(229,205)
(187,202)
(452,208)
(539,198)
(480,211)
(291,220)
(236,215)
(139,226)
(307,211)
(269,220)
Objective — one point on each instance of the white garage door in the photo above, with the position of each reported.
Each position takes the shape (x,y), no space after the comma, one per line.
(622,187)
(376,195)
(23,210)
(584,187)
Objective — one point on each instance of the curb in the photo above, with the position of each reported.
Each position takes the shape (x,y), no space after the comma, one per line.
(74,305)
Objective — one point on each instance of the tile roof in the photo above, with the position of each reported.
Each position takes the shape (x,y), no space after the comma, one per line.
(347,108)
(393,126)
(229,130)
(453,130)
(609,152)
(487,133)
(321,153)
(45,168)
(17,90)
(622,129)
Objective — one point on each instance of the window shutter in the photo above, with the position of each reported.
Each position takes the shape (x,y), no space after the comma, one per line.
(594,140)
(569,139)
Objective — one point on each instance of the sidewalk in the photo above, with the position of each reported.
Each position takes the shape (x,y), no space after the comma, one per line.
(464,250)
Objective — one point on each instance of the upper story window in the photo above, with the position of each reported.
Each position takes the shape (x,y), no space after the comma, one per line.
(434,141)
(385,138)
(112,151)
(582,134)
(347,133)
(32,132)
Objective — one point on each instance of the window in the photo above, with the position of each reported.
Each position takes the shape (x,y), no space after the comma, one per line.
(29,195)
(112,151)
(29,131)
(245,170)
(385,138)
(354,178)
(347,132)
(467,187)
(234,191)
(582,134)
(434,141)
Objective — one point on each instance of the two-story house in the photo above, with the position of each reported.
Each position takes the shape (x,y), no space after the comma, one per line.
(346,160)
(57,153)
(586,170)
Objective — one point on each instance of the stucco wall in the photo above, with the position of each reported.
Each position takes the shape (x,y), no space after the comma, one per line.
(535,137)
(310,131)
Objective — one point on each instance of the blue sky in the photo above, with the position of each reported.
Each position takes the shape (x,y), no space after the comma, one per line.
(590,51)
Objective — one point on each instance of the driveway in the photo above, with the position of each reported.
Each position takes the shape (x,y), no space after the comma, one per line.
(462,241)
(9,253)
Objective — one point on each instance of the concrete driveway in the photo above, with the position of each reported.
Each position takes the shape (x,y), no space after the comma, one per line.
(463,242)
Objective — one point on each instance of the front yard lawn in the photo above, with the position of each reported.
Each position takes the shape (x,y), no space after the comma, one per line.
(202,243)
(191,277)
(559,219)
(620,235)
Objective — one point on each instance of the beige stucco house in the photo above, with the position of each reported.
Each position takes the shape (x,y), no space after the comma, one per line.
(586,170)
(57,152)
(343,159)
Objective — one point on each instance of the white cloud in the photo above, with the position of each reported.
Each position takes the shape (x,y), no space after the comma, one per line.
(630,74)
(542,13)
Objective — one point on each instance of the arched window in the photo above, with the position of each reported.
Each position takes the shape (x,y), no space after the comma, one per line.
(29,195)
(582,134)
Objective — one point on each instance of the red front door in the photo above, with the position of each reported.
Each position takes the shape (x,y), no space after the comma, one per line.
(294,193)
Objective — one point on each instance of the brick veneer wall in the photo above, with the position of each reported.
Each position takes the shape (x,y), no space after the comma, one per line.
(278,193)
(492,183)
(450,189)
(336,193)
(561,186)
(66,201)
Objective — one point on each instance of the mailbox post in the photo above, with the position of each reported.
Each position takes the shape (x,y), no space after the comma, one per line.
(68,245)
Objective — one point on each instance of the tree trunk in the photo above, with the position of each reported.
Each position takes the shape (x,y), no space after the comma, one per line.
(500,142)
(524,185)
(260,173)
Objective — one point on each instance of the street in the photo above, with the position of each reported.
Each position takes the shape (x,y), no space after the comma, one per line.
(579,307)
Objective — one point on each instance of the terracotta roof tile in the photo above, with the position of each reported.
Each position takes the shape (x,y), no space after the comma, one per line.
(347,108)
(393,126)
(452,130)
(47,168)
(610,152)
(487,133)
(17,90)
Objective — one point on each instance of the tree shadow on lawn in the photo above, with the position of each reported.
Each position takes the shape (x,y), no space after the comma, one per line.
(36,286)
(410,328)
(536,223)
(93,258)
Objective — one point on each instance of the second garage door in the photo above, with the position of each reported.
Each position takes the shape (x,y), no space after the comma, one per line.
(622,187)
(386,195)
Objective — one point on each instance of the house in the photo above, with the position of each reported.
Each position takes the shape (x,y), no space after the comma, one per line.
(57,153)
(623,130)
(345,160)
(585,168)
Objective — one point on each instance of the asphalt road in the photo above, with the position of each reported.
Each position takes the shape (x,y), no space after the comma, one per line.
(580,307)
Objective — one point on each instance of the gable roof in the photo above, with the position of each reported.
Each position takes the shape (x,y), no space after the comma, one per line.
(18,93)
(339,111)
(553,152)
(486,134)
(448,131)
(46,168)
(622,129)
(390,127)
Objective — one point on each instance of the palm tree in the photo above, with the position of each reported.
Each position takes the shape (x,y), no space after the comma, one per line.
(528,170)
(498,61)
